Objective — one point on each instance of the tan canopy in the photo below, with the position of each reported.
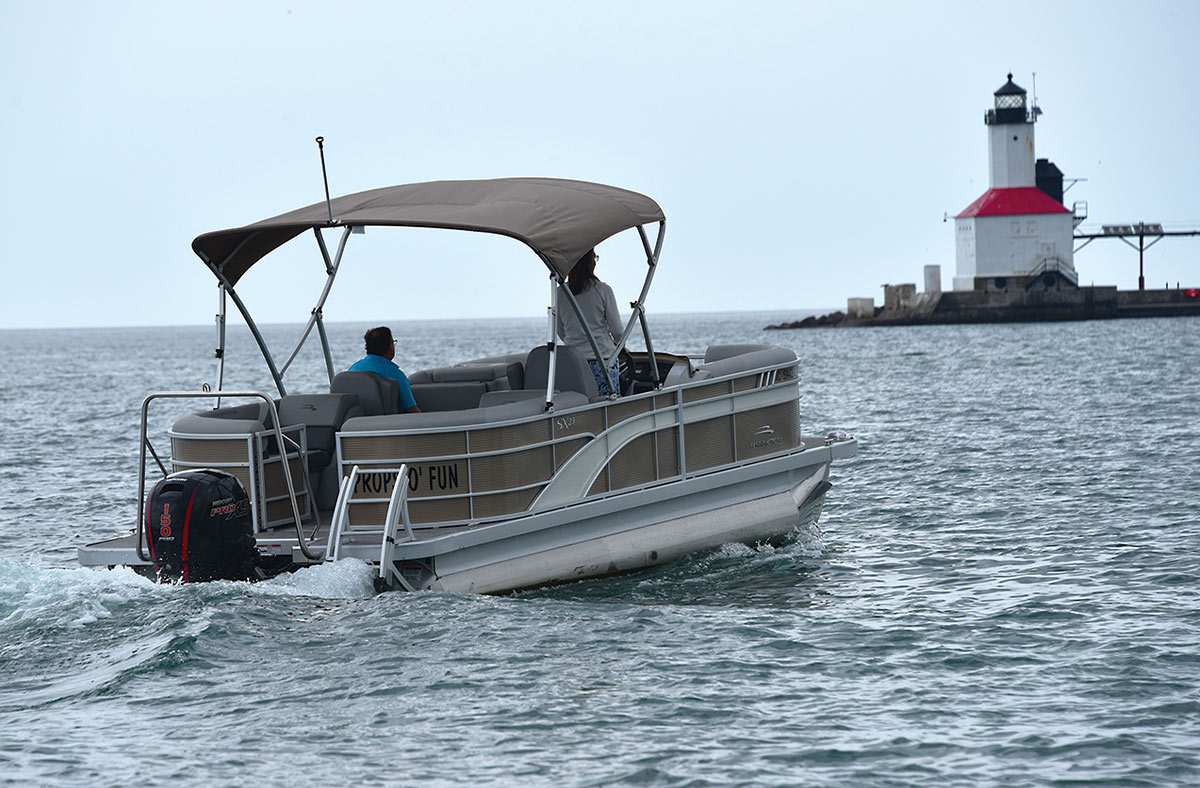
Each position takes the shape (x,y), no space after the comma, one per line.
(559,219)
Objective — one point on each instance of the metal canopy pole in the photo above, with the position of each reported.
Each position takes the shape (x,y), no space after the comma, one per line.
(639,306)
(331,269)
(220,351)
(262,345)
(325,345)
(591,339)
(258,337)
(552,340)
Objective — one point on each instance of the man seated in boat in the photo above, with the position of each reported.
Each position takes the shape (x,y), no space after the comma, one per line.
(381,349)
(599,307)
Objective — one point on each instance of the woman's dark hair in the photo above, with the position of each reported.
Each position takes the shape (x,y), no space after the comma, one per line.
(583,274)
(378,340)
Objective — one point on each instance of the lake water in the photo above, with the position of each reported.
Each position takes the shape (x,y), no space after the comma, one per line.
(1003,590)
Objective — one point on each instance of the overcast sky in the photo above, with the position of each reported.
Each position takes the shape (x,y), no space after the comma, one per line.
(802,152)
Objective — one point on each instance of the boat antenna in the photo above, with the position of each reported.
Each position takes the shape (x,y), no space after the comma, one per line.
(328,204)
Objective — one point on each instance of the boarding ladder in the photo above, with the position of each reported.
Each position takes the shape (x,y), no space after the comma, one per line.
(397,514)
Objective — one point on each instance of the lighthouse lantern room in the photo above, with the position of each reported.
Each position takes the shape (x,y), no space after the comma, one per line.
(1015,229)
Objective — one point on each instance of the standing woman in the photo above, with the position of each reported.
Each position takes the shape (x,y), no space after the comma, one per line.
(599,308)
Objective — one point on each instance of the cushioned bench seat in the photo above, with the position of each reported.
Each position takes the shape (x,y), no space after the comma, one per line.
(460,387)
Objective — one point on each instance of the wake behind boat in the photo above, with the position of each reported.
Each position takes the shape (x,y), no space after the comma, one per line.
(517,472)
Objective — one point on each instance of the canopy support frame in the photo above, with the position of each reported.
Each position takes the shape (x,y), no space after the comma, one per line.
(552,338)
(638,316)
(220,351)
(331,270)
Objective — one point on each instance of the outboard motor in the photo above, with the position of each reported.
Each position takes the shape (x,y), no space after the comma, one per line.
(200,528)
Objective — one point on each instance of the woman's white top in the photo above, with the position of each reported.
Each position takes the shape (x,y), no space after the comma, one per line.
(599,307)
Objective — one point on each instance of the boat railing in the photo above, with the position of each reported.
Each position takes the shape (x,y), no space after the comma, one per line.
(480,472)
(282,442)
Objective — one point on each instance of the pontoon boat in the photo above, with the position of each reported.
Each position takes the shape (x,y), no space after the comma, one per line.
(516,473)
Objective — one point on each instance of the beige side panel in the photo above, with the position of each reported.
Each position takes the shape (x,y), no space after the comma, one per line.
(505,503)
(705,392)
(516,435)
(634,464)
(668,454)
(768,430)
(437,477)
(709,443)
(746,383)
(565,450)
(435,511)
(514,469)
(589,421)
(205,451)
(403,447)
(620,411)
(276,484)
(600,485)
(366,514)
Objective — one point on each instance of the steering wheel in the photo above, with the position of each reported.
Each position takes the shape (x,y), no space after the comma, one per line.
(626,375)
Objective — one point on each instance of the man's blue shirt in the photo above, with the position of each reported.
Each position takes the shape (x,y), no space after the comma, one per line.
(387,369)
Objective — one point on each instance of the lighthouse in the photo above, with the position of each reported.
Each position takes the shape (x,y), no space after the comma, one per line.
(1015,228)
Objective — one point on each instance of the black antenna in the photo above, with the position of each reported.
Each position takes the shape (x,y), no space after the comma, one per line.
(328,204)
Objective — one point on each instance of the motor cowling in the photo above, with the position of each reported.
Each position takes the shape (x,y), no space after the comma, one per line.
(200,528)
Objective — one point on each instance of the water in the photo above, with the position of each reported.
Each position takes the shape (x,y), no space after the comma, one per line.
(1002,591)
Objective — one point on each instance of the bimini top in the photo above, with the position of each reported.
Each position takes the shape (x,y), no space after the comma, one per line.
(558,219)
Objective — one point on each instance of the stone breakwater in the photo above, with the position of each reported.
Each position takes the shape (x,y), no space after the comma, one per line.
(1045,297)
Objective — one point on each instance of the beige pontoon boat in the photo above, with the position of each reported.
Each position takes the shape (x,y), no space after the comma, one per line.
(516,473)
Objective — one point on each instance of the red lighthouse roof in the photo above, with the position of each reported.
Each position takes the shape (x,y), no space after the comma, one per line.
(1013,202)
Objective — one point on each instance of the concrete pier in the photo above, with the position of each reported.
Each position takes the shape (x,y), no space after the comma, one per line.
(1011,299)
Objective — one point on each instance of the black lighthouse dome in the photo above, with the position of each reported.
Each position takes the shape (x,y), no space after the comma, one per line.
(1010,104)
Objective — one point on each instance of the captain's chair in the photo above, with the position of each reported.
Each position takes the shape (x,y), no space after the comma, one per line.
(572,372)
(376,396)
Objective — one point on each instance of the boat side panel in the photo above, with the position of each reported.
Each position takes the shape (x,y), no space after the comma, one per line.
(628,443)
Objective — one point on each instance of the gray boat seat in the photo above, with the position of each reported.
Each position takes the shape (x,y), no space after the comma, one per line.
(322,416)
(731,359)
(376,396)
(572,372)
(461,386)
(233,420)
(718,352)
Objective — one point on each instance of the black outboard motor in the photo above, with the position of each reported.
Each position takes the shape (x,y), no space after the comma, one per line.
(200,528)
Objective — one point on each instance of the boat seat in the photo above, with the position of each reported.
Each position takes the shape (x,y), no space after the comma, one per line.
(758,356)
(235,420)
(498,376)
(322,416)
(433,397)
(461,386)
(572,372)
(377,396)
(718,352)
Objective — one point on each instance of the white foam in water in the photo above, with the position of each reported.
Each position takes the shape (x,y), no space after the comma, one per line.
(88,594)
(348,578)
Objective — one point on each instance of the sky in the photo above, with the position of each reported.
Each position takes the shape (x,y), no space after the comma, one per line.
(803,153)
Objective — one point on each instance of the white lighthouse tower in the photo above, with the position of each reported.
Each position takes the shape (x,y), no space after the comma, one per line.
(1015,229)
